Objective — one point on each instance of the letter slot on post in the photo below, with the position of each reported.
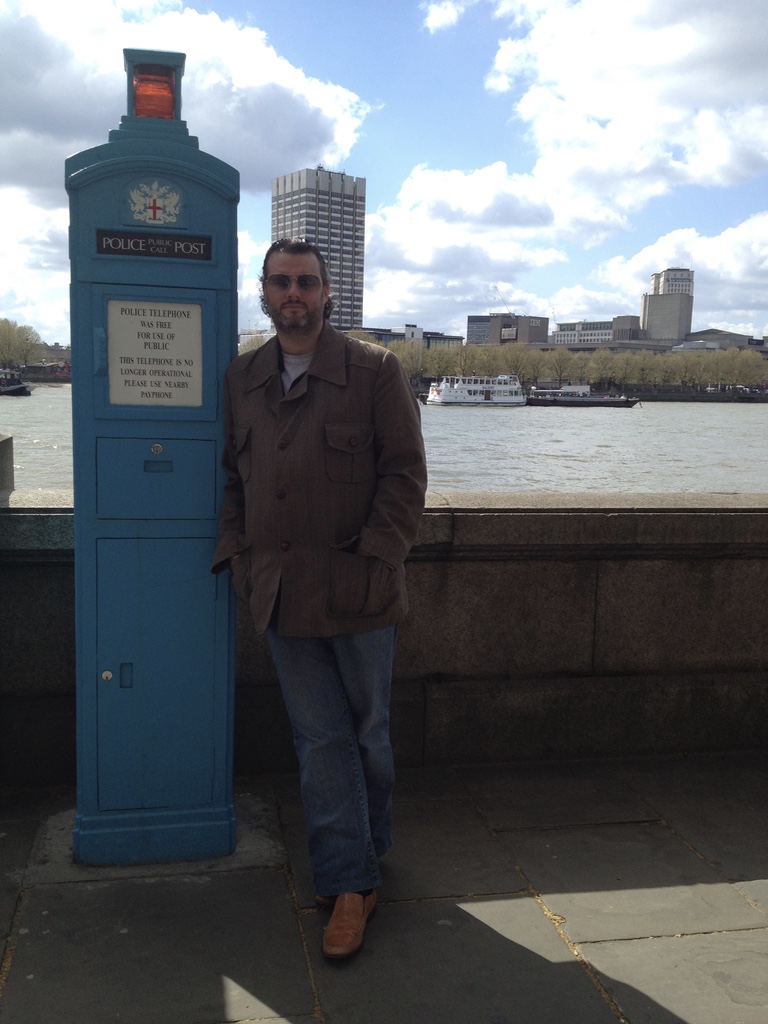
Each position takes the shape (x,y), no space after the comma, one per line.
(153,251)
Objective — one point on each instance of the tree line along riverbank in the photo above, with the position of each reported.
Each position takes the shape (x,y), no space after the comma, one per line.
(648,373)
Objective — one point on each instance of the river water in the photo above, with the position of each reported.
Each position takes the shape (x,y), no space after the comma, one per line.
(654,447)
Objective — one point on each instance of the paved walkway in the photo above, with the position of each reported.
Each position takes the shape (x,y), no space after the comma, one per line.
(574,893)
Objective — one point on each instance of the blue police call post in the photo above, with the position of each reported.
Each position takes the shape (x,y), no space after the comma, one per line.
(153,250)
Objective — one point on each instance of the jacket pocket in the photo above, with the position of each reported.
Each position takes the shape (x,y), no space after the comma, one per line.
(241,575)
(349,452)
(362,586)
(242,443)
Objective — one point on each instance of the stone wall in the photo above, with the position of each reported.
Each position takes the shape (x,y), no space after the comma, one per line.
(541,626)
(6,463)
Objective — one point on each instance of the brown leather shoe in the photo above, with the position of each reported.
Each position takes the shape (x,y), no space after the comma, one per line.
(344,934)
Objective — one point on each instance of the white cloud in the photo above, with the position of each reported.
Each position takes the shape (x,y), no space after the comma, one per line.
(444,13)
(63,85)
(34,266)
(449,241)
(578,302)
(488,208)
(624,102)
(474,232)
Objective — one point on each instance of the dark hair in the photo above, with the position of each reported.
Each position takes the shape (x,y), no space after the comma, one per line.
(297,247)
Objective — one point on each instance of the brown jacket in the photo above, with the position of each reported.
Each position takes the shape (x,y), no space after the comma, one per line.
(336,464)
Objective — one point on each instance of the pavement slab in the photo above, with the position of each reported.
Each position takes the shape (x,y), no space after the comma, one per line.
(756,892)
(458,962)
(717,803)
(540,795)
(20,817)
(626,881)
(696,979)
(16,839)
(194,948)
(442,847)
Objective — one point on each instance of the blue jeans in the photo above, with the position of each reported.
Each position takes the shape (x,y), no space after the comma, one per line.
(337,693)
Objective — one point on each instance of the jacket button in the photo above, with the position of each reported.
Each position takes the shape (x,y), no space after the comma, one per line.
(282,445)
(353,442)
(285,546)
(281,495)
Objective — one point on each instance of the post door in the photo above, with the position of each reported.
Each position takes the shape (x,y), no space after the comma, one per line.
(156,642)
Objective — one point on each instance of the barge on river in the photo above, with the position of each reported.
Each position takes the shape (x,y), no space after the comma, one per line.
(505,390)
(12,384)
(578,397)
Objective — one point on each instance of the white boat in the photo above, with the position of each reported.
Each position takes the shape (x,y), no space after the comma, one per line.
(504,390)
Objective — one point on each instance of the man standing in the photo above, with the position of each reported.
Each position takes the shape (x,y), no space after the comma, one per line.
(327,481)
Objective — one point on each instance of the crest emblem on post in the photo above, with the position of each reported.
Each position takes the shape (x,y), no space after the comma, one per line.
(155,203)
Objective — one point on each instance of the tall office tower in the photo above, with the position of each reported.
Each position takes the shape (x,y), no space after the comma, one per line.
(667,310)
(327,208)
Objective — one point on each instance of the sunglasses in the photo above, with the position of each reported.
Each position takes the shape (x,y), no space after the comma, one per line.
(306,282)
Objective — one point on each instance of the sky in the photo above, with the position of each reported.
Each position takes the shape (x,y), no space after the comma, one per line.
(537,156)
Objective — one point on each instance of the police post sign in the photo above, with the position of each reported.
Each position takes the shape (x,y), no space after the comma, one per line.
(146,243)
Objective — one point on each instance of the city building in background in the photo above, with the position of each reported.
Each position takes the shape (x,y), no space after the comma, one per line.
(501,328)
(411,332)
(479,328)
(620,333)
(56,353)
(327,208)
(665,321)
(583,332)
(712,338)
(673,281)
(666,312)
(248,339)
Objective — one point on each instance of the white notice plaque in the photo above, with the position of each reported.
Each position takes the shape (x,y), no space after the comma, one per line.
(155,352)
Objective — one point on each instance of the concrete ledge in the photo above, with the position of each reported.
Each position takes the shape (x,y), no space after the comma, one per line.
(36,526)
(478,501)
(6,463)
(23,501)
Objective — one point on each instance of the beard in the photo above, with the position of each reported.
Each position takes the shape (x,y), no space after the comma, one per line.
(296,322)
